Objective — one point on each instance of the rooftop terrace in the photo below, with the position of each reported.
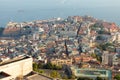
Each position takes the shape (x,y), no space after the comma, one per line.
(14,60)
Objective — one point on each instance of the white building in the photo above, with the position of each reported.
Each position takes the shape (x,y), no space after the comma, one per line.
(14,68)
(107,58)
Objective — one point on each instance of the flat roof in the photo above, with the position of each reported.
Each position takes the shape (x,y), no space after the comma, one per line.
(38,77)
(93,73)
(14,60)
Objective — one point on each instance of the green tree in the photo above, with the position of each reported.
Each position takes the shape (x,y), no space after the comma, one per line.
(99,78)
(41,71)
(99,58)
(103,32)
(105,46)
(117,77)
(93,55)
(99,38)
(40,65)
(84,79)
(55,74)
(52,66)
(35,66)
(48,66)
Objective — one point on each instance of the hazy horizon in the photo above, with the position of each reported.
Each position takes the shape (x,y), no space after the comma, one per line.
(27,10)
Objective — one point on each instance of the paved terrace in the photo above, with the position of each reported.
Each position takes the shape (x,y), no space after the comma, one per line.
(13,60)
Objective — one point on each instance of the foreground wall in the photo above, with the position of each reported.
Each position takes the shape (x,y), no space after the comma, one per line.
(17,68)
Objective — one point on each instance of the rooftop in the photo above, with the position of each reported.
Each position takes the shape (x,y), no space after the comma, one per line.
(14,60)
(92,72)
(38,77)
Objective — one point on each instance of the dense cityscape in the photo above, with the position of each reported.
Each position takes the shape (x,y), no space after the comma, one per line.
(75,48)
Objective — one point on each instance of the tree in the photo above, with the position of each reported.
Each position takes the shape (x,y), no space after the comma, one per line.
(54,74)
(99,58)
(105,46)
(41,71)
(48,66)
(35,66)
(99,38)
(93,55)
(99,78)
(84,79)
(52,66)
(103,32)
(40,65)
(117,77)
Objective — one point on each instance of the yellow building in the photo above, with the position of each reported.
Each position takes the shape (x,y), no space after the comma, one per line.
(61,61)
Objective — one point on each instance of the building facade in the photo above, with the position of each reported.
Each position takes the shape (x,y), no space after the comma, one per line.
(16,68)
(92,73)
(61,61)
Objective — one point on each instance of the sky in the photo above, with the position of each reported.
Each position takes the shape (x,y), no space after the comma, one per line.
(28,4)
(39,9)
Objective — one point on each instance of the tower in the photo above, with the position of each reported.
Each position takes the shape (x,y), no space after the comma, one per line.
(88,30)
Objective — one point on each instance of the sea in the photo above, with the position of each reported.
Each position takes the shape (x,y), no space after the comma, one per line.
(110,14)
